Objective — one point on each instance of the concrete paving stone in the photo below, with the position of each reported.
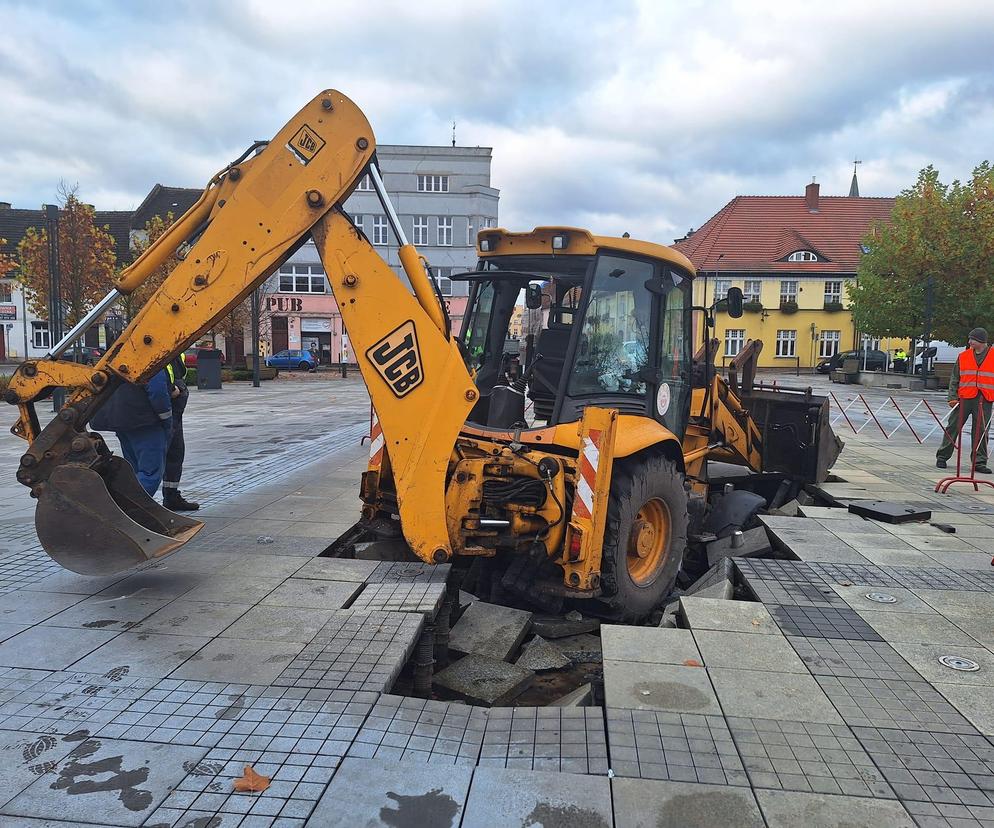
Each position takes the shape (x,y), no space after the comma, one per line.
(484,680)
(651,803)
(403,571)
(732,616)
(877,541)
(789,809)
(24,757)
(237,539)
(896,557)
(581,697)
(529,797)
(823,622)
(337,569)
(278,624)
(169,583)
(939,542)
(800,756)
(570,740)
(10,630)
(110,614)
(855,659)
(581,648)
(142,654)
(232,590)
(975,704)
(28,607)
(301,593)
(28,822)
(824,513)
(183,617)
(916,628)
(652,645)
(558,626)
(816,594)
(905,601)
(756,652)
(925,659)
(669,687)
(979,560)
(952,603)
(132,778)
(979,627)
(72,582)
(246,661)
(372,793)
(425,598)
(759,694)
(490,630)
(827,550)
(541,656)
(41,648)
(270,566)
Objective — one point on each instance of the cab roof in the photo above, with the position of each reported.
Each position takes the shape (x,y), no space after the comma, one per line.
(579,242)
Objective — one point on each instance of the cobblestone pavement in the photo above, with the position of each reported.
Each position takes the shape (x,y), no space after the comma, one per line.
(138,699)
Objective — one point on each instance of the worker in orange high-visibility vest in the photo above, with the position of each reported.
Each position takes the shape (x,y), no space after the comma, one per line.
(971,393)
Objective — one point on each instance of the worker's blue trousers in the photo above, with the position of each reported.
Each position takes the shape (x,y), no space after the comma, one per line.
(145,450)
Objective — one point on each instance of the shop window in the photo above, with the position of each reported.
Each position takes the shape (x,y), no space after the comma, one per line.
(39,335)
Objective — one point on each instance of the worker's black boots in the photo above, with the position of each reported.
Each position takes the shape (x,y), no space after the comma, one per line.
(175,502)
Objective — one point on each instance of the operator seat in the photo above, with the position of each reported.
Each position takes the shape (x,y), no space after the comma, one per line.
(550,356)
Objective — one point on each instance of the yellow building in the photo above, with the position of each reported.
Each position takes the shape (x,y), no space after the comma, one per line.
(793,257)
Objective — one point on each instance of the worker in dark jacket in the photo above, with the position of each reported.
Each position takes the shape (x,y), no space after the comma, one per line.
(141,417)
(180,394)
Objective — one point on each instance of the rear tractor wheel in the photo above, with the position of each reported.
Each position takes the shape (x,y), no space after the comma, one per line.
(644,538)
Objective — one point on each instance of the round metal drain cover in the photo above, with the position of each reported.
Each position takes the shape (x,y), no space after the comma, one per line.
(881,597)
(965,665)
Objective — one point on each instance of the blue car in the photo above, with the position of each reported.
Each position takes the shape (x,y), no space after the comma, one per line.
(293,361)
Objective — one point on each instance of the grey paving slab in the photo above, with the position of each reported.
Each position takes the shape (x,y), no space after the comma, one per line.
(24,757)
(489,629)
(731,616)
(951,602)
(801,756)
(298,592)
(823,622)
(372,793)
(337,569)
(755,652)
(653,645)
(765,695)
(977,705)
(925,659)
(859,598)
(98,613)
(669,687)
(10,630)
(533,798)
(278,624)
(255,661)
(27,607)
(199,618)
(104,780)
(38,647)
(233,590)
(790,809)
(818,594)
(651,803)
(896,557)
(682,747)
(563,739)
(861,659)
(28,822)
(406,596)
(71,582)
(159,582)
(483,680)
(406,571)
(829,550)
(270,566)
(916,628)
(581,648)
(142,654)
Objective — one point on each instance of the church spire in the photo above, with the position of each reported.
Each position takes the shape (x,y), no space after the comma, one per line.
(854,187)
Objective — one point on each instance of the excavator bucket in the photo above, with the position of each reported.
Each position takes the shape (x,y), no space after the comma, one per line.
(100,524)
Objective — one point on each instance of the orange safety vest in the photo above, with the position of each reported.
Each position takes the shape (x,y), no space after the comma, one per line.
(973,379)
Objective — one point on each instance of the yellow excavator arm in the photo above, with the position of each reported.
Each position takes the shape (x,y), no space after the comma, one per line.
(92,516)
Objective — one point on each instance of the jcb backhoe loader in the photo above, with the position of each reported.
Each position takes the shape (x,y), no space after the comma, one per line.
(595,481)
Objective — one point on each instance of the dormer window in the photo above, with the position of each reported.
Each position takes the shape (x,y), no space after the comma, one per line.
(803,256)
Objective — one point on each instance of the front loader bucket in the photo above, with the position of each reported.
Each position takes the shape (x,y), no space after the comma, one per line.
(102,524)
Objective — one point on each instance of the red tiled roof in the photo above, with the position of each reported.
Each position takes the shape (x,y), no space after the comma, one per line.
(753,233)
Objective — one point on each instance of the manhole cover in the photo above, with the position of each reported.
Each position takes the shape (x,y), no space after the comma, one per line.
(965,665)
(881,597)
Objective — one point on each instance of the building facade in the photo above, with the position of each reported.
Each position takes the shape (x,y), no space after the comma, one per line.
(794,258)
(443,197)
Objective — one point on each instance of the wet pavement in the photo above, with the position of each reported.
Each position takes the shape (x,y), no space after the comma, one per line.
(854,690)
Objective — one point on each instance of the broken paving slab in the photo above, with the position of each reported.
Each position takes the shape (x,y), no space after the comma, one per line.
(716,582)
(490,630)
(741,544)
(580,648)
(542,656)
(581,697)
(484,680)
(561,626)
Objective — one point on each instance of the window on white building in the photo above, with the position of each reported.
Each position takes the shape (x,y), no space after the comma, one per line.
(302,278)
(829,343)
(734,340)
(379,229)
(487,222)
(753,288)
(39,335)
(788,291)
(445,231)
(6,292)
(365,183)
(786,343)
(833,292)
(421,230)
(433,183)
(803,256)
(443,277)
(358,221)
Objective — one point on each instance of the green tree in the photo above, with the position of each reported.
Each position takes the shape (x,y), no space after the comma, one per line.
(938,232)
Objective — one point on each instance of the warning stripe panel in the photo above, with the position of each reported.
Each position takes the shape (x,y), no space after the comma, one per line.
(375,441)
(586,481)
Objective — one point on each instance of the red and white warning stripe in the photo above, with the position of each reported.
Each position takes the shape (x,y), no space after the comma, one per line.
(586,479)
(375,440)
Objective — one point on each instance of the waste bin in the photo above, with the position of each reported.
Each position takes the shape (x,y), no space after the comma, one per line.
(208,369)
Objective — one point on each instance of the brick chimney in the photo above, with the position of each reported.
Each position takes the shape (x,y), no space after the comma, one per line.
(811,196)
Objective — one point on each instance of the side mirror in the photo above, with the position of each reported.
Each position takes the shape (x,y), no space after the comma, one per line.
(735,302)
(533,296)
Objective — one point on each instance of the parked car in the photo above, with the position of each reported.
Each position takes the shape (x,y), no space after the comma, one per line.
(875,361)
(293,360)
(85,354)
(190,358)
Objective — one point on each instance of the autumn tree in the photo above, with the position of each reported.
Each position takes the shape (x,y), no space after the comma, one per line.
(7,262)
(86,260)
(154,229)
(938,234)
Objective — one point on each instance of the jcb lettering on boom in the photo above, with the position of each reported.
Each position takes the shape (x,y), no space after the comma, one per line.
(305,144)
(397,358)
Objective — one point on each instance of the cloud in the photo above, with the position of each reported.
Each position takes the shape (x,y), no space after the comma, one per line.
(643,117)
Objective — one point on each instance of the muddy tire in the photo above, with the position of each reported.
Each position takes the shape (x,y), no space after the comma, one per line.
(644,538)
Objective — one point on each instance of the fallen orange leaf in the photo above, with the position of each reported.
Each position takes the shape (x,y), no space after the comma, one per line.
(692,662)
(251,781)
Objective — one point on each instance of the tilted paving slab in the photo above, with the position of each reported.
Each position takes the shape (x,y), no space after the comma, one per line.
(542,656)
(733,616)
(317,594)
(669,687)
(791,809)
(489,629)
(483,680)
(652,803)
(404,571)
(337,569)
(653,645)
(571,740)
(425,598)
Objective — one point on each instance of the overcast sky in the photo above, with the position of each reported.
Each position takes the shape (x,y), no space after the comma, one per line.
(643,117)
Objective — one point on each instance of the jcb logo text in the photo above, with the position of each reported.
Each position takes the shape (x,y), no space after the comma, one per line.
(397,358)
